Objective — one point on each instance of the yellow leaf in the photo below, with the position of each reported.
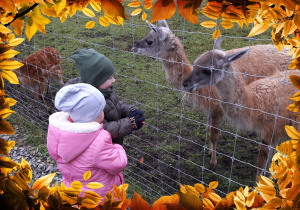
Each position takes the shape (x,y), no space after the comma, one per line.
(216,34)
(4,29)
(16,42)
(70,199)
(134,4)
(163,9)
(94,185)
(90,24)
(144,16)
(96,6)
(210,14)
(208,203)
(88,203)
(294,79)
(200,188)
(227,24)
(292,132)
(30,31)
(103,21)
(8,54)
(267,192)
(239,204)
(120,19)
(87,175)
(10,64)
(213,185)
(208,24)
(8,6)
(136,12)
(76,185)
(286,28)
(10,76)
(265,181)
(43,181)
(215,197)
(72,192)
(258,29)
(296,20)
(113,8)
(88,12)
(273,204)
(250,199)
(18,25)
(92,195)
(112,20)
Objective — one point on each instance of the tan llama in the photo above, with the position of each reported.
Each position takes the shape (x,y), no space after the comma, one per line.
(260,106)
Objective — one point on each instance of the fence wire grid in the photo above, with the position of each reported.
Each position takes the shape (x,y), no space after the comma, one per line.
(172,147)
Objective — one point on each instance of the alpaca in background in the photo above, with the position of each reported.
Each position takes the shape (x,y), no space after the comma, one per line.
(39,69)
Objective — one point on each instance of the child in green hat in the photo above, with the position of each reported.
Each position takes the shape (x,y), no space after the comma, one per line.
(96,69)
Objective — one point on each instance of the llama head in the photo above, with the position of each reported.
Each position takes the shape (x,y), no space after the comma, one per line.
(155,41)
(210,67)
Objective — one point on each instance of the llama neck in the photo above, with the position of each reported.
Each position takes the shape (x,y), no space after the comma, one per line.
(176,64)
(233,92)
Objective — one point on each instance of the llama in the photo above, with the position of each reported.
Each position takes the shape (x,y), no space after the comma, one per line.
(266,95)
(161,42)
(39,68)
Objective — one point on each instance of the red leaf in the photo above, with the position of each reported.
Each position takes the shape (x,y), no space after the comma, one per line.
(163,10)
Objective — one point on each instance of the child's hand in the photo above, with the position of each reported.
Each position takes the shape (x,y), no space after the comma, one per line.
(135,112)
(137,121)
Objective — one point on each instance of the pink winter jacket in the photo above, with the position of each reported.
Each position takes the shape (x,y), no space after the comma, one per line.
(79,147)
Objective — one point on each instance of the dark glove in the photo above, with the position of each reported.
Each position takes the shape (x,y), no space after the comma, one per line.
(135,112)
(137,121)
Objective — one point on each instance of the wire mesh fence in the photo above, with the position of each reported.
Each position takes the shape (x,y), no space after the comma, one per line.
(173,145)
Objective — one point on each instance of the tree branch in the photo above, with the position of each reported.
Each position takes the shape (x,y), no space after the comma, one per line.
(21,14)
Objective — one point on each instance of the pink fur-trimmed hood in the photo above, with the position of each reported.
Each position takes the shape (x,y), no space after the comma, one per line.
(72,138)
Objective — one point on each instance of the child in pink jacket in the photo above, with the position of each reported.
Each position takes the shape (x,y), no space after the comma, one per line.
(78,143)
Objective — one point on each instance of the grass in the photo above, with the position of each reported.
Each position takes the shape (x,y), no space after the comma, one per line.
(174,148)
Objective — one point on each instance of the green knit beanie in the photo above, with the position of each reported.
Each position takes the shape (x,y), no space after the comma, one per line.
(94,68)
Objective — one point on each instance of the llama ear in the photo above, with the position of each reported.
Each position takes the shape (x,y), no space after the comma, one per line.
(163,23)
(217,43)
(160,33)
(236,56)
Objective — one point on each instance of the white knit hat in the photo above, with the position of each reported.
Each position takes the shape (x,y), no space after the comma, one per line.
(83,102)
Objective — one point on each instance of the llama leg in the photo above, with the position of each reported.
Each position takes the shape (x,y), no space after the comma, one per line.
(213,135)
(262,158)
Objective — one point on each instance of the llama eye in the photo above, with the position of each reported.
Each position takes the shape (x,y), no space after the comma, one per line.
(149,42)
(208,72)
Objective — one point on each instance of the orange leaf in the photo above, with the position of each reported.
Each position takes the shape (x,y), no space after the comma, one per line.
(148,5)
(215,6)
(226,24)
(216,34)
(293,192)
(236,11)
(142,160)
(290,5)
(295,80)
(134,4)
(163,9)
(113,8)
(187,13)
(173,199)
(138,202)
